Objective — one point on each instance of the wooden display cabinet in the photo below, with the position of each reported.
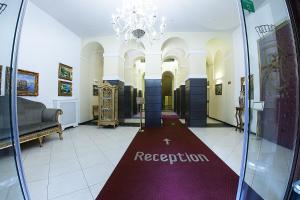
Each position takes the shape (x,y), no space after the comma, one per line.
(108,105)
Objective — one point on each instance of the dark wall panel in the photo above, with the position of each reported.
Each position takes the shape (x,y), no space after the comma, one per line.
(182,101)
(195,102)
(128,99)
(135,94)
(178,101)
(175,101)
(121,102)
(153,100)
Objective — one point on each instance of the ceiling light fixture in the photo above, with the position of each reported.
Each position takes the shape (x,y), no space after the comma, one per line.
(136,19)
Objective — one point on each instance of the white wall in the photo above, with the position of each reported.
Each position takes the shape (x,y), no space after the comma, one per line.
(91,73)
(271,12)
(223,71)
(8,20)
(44,44)
(192,43)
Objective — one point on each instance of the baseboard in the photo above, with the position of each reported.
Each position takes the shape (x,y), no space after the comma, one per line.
(86,122)
(222,122)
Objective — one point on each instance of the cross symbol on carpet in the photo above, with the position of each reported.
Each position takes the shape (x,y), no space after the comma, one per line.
(167,141)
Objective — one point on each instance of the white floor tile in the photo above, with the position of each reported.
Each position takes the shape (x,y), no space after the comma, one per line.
(97,173)
(62,167)
(36,172)
(92,159)
(95,189)
(78,195)
(66,184)
(38,190)
(78,166)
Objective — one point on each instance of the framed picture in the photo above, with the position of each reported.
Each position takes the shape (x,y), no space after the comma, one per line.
(7,80)
(1,79)
(27,83)
(64,88)
(65,72)
(95,90)
(218,89)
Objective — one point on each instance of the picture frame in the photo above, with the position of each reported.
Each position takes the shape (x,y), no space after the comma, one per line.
(1,67)
(27,83)
(65,72)
(64,88)
(95,90)
(218,89)
(7,81)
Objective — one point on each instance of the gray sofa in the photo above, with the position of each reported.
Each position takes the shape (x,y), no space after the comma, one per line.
(35,121)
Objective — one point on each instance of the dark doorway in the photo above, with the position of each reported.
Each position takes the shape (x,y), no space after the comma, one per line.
(167,91)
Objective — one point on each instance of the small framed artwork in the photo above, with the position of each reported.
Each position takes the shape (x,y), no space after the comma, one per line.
(65,72)
(64,88)
(7,80)
(1,79)
(95,90)
(27,83)
(218,89)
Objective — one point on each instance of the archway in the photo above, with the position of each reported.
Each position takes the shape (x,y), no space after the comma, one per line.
(167,91)
(91,75)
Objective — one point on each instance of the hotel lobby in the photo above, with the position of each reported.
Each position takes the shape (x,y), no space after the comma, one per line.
(146,99)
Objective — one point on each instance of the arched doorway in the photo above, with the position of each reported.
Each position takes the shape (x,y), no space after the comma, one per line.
(91,75)
(167,91)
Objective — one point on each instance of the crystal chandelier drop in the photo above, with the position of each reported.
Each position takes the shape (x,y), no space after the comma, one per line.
(136,19)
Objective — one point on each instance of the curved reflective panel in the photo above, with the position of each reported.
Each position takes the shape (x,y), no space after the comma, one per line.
(12,185)
(273,96)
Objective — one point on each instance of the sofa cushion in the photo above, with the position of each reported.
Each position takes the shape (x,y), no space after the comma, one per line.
(45,125)
(26,129)
(4,113)
(4,133)
(29,112)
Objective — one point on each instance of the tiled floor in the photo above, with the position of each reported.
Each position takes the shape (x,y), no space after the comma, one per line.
(77,167)
(268,164)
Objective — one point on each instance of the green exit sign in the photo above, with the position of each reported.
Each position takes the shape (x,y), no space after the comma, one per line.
(248,5)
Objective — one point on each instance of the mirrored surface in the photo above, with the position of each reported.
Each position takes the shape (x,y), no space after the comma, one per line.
(273,97)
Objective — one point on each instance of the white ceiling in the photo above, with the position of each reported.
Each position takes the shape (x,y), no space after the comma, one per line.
(89,18)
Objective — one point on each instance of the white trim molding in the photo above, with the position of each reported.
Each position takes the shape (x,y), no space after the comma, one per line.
(153,53)
(111,78)
(197,76)
(196,52)
(149,77)
(111,54)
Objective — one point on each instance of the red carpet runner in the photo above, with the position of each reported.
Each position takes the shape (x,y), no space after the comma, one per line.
(170,163)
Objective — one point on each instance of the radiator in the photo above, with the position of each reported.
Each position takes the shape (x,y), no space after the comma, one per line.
(69,118)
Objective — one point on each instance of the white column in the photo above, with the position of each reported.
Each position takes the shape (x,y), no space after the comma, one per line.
(153,65)
(110,66)
(113,68)
(197,64)
(121,68)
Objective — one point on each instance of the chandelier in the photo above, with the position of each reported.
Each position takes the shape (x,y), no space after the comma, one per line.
(136,19)
(2,7)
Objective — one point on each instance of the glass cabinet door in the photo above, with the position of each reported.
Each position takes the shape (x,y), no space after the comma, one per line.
(12,184)
(273,96)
